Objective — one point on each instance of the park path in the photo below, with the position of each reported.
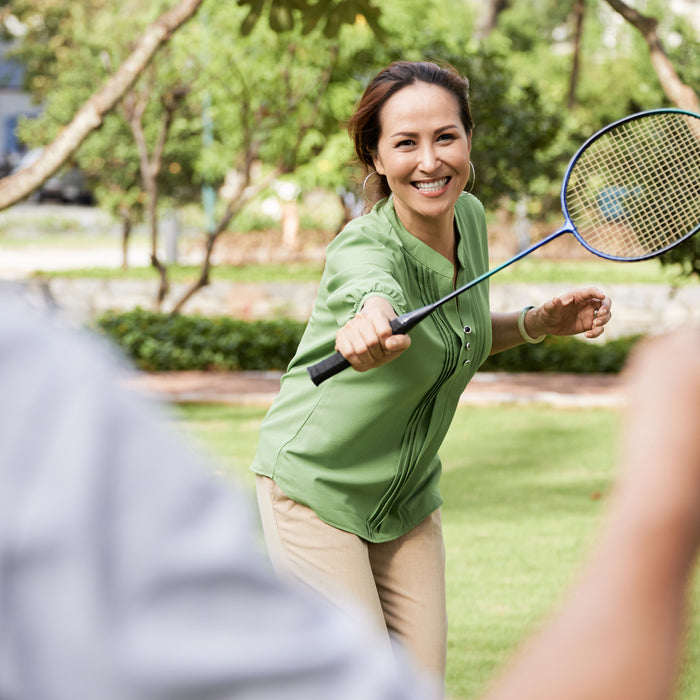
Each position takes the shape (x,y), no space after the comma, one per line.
(260,388)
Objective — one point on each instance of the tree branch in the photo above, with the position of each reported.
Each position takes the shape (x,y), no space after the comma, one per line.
(680,94)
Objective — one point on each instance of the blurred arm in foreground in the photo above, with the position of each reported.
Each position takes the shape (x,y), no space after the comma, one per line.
(620,630)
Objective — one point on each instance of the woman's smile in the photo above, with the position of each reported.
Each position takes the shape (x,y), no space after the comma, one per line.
(432,186)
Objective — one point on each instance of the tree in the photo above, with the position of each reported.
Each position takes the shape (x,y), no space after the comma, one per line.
(579,13)
(489,20)
(124,158)
(331,13)
(266,100)
(15,187)
(687,255)
(151,158)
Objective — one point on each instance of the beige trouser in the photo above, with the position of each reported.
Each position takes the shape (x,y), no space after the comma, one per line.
(401,583)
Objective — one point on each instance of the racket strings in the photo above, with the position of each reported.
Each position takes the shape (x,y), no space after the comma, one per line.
(635,190)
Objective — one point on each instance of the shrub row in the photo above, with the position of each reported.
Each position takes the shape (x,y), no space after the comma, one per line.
(160,342)
(564,354)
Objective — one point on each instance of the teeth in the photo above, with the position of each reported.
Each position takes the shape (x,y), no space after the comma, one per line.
(431,186)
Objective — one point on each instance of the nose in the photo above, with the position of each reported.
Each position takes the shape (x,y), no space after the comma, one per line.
(429,160)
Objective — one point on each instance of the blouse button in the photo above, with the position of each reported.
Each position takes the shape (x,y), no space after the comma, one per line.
(466,362)
(467,329)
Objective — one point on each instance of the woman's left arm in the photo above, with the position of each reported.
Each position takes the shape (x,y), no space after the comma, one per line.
(581,311)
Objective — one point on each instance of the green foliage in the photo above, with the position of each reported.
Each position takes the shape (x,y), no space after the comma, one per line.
(563,354)
(286,15)
(100,36)
(684,257)
(516,132)
(257,82)
(161,342)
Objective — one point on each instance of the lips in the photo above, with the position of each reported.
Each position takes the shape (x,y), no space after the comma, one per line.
(432,186)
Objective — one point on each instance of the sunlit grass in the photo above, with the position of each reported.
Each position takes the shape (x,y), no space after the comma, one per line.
(593,270)
(273,272)
(523,272)
(524,489)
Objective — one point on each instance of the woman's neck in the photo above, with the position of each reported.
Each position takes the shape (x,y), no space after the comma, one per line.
(439,234)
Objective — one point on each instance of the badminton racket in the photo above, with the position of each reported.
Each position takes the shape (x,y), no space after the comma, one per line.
(631,192)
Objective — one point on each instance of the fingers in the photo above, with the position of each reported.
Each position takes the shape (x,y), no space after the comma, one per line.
(367,340)
(585,311)
(602,313)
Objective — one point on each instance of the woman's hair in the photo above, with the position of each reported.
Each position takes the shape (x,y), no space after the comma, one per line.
(365,126)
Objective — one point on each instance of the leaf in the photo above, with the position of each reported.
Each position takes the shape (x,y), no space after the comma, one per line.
(347,11)
(332,25)
(281,19)
(256,8)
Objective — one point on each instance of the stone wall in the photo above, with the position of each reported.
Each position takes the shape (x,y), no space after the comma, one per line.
(638,308)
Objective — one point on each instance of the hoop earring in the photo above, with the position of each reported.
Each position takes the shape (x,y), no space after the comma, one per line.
(473,176)
(364,186)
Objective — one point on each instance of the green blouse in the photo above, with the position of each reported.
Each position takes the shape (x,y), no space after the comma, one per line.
(361,449)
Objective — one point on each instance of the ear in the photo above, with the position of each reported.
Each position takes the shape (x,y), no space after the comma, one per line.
(377,162)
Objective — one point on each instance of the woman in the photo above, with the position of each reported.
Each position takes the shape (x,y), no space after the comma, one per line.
(348,472)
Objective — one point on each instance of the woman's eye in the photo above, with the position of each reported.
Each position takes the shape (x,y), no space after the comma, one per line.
(446,137)
(404,144)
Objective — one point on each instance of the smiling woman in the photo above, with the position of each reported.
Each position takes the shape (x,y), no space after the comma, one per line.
(348,473)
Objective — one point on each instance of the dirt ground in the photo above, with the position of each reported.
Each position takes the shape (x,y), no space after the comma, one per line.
(260,388)
(260,247)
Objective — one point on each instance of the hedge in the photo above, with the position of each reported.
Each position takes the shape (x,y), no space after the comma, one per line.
(161,342)
(564,354)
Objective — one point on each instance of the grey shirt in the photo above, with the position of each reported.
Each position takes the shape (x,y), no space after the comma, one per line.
(129,571)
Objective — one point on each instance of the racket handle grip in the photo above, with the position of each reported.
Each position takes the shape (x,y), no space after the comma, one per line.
(325,369)
(332,365)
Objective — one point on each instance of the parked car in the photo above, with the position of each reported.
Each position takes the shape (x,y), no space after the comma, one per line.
(68,185)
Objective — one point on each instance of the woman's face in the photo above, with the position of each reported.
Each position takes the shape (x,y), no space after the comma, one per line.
(423,151)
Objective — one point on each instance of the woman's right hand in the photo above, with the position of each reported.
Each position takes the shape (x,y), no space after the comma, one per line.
(367,341)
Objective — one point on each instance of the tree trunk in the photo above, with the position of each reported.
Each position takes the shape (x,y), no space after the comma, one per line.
(14,188)
(579,14)
(125,216)
(203,279)
(290,225)
(680,94)
(490,19)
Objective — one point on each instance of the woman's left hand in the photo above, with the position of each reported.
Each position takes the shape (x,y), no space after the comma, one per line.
(581,311)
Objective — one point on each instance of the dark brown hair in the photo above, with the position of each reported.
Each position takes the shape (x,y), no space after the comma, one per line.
(364,126)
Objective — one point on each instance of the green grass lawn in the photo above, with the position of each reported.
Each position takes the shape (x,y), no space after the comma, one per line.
(532,269)
(595,271)
(524,489)
(269,272)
